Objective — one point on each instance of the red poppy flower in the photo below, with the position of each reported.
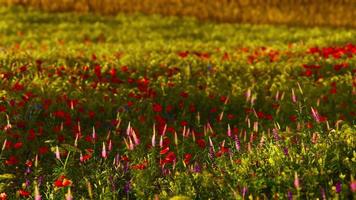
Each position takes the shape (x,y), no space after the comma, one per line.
(12,161)
(183,123)
(112,72)
(293,118)
(124,69)
(184,94)
(170,157)
(183,54)
(308,73)
(169,108)
(62,181)
(157,107)
(309,125)
(43,150)
(260,115)
(230,116)
(164,151)
(187,158)
(333,90)
(192,108)
(31,135)
(85,157)
(269,117)
(24,193)
(17,87)
(18,145)
(2,109)
(223,99)
(201,143)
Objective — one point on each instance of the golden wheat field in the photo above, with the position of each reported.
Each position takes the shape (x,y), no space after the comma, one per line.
(296,12)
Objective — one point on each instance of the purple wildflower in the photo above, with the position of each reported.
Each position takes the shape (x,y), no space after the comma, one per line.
(275,134)
(338,187)
(323,195)
(290,195)
(285,151)
(237,143)
(197,168)
(127,187)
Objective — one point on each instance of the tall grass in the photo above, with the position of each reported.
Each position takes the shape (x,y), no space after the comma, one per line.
(297,12)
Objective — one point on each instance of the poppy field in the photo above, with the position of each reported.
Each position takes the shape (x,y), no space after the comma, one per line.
(150,107)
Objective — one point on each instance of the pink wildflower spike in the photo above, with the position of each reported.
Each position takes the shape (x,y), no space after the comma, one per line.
(248,95)
(161,142)
(135,138)
(315,115)
(69,195)
(76,140)
(81,159)
(294,97)
(71,105)
(253,99)
(128,130)
(255,126)
(116,161)
(110,145)
(62,127)
(36,160)
(248,122)
(37,193)
(93,135)
(4,145)
(8,125)
(277,96)
(226,100)
(131,144)
(79,128)
(221,115)
(108,135)
(164,130)
(262,141)
(103,151)
(175,138)
(210,128)
(228,130)
(153,140)
(237,142)
(211,144)
(58,155)
(296,181)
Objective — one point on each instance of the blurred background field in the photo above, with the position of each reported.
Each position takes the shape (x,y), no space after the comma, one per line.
(293,12)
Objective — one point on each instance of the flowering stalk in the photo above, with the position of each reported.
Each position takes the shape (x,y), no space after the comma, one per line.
(69,195)
(103,151)
(153,140)
(58,155)
(228,130)
(315,115)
